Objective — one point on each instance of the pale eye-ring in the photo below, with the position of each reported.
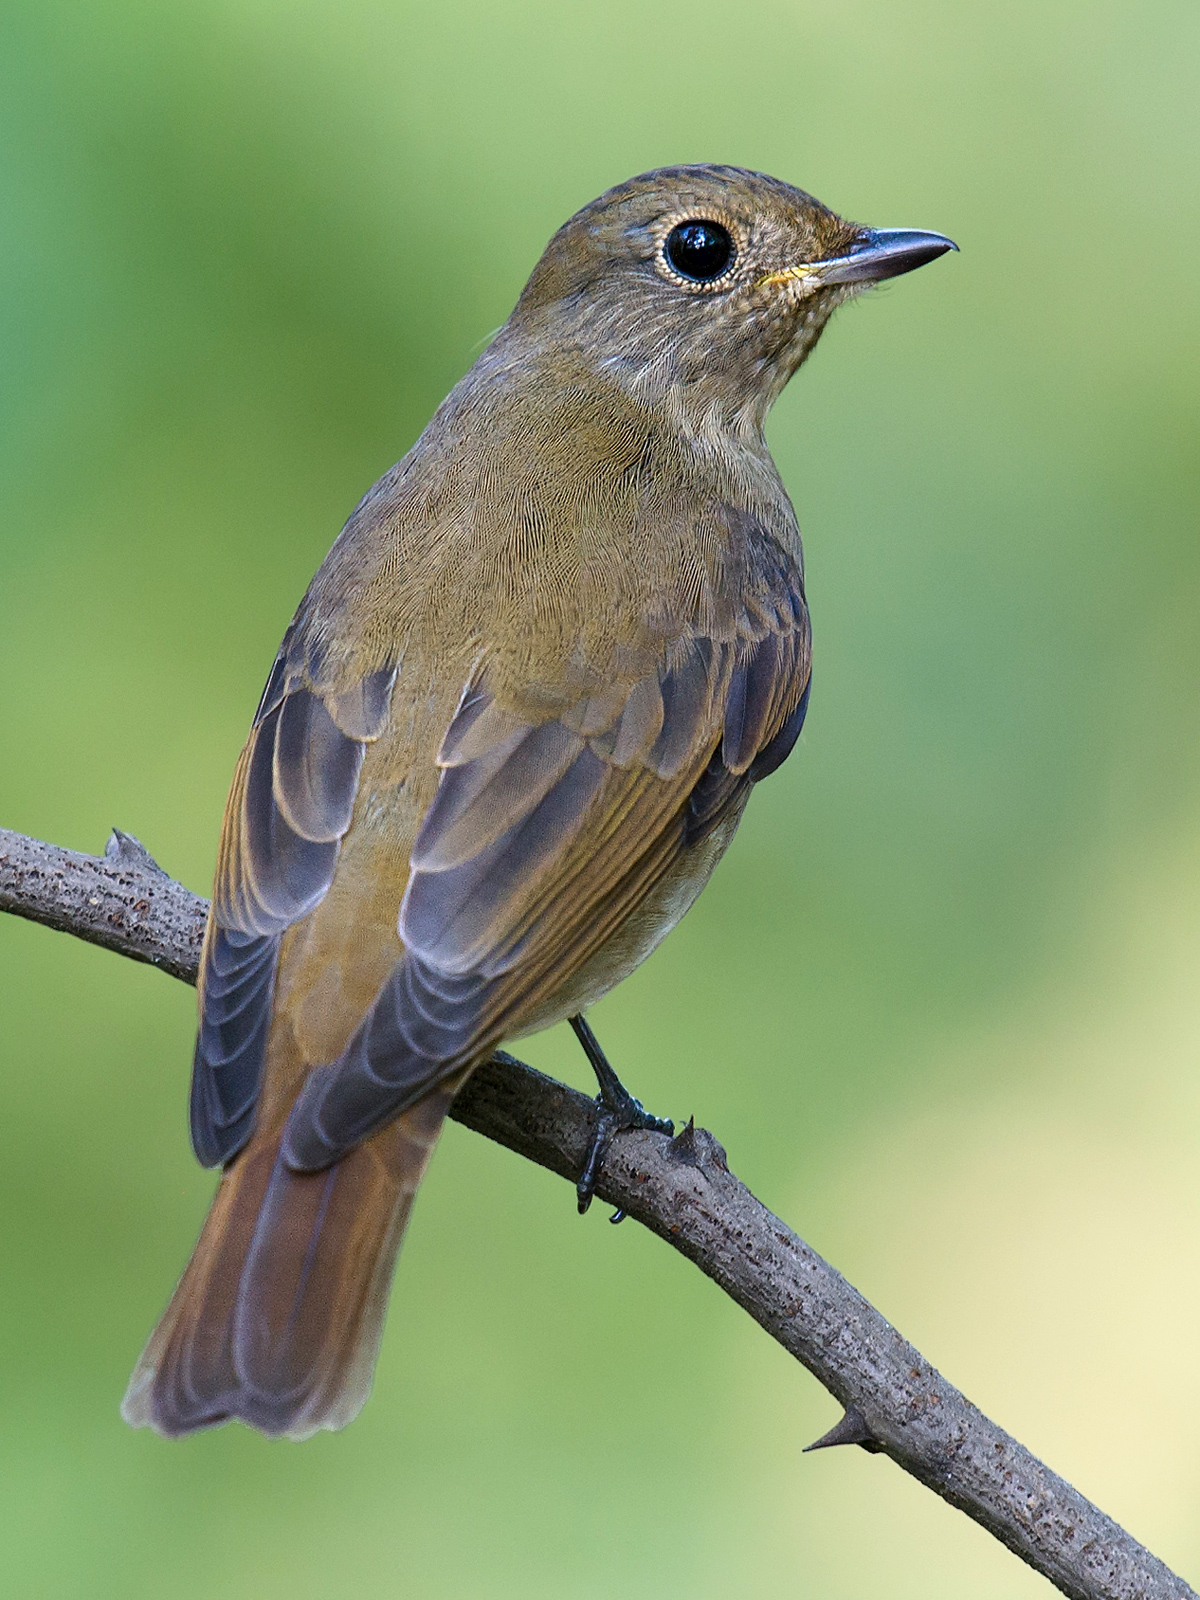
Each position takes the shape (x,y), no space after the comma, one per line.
(699,249)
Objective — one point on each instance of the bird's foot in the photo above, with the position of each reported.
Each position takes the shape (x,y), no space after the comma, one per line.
(617,1112)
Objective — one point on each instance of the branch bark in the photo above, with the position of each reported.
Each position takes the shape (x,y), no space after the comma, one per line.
(682,1190)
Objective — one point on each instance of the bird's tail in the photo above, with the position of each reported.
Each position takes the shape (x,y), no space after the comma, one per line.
(278,1317)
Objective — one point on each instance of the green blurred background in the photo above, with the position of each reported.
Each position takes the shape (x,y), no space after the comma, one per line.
(942,1000)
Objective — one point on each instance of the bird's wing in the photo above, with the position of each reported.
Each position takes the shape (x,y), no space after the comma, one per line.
(289,806)
(545,834)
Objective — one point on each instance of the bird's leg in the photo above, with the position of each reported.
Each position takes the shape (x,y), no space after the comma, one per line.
(617,1112)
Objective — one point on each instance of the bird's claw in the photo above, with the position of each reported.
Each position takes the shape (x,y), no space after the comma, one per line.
(617,1112)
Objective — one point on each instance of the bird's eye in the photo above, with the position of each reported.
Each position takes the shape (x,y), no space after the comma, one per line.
(700,250)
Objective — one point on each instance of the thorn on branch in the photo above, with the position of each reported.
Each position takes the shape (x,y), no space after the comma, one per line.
(852,1429)
(123,850)
(696,1147)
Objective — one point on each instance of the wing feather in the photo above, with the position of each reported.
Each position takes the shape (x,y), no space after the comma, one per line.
(687,691)
(361,711)
(454,918)
(752,701)
(478,801)
(238,986)
(291,803)
(283,872)
(315,770)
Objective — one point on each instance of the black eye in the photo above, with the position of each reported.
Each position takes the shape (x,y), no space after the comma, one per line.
(699,250)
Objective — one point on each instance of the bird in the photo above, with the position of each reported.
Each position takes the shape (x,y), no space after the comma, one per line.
(510,731)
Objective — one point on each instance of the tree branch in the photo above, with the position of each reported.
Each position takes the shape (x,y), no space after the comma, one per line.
(682,1190)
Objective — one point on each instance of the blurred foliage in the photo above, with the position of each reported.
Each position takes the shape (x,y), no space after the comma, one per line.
(941,1000)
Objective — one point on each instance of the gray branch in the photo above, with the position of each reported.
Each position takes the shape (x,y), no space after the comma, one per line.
(122,899)
(682,1190)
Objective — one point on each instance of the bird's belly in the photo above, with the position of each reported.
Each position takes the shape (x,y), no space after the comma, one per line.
(640,933)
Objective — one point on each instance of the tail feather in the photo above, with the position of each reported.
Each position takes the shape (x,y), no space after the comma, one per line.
(278,1317)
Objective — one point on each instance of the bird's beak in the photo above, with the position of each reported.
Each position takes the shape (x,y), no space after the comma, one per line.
(879,253)
(884,253)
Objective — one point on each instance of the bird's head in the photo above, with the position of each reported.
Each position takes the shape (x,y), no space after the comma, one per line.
(707,285)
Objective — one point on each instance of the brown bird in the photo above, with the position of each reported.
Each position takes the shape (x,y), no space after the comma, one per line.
(508,735)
